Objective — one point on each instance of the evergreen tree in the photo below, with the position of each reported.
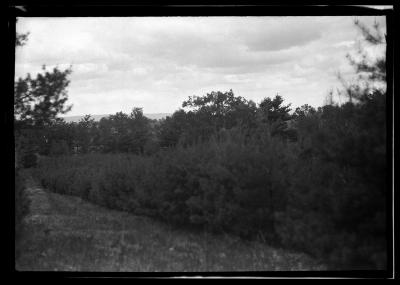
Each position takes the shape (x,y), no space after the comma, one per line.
(275,115)
(37,102)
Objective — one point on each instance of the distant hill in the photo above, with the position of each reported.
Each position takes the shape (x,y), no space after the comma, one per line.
(152,116)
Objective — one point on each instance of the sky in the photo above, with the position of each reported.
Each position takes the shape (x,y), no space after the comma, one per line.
(157,62)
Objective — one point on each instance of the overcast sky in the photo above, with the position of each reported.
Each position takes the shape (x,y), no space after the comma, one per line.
(156,63)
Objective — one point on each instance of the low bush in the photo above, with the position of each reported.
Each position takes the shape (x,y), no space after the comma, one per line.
(252,186)
(21,207)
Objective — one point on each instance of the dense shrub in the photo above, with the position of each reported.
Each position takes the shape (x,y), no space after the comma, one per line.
(323,192)
(248,186)
(59,148)
(306,195)
(21,207)
(29,160)
(224,184)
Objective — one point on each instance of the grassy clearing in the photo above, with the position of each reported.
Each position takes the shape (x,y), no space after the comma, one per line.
(65,233)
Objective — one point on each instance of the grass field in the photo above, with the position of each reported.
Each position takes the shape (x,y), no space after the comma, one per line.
(65,233)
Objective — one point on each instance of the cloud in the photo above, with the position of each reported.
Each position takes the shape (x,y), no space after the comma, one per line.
(155,63)
(283,33)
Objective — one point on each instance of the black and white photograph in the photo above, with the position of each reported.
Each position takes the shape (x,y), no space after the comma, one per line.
(202,144)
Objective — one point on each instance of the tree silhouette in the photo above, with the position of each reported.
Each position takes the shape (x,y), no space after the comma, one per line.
(370,71)
(37,102)
(275,115)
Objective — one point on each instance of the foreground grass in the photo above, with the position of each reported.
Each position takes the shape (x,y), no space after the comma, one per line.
(65,233)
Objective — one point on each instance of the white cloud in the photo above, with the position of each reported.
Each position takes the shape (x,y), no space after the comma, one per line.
(155,63)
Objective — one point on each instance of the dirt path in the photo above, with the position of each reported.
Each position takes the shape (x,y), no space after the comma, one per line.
(64,233)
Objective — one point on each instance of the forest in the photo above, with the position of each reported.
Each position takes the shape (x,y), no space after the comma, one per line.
(304,178)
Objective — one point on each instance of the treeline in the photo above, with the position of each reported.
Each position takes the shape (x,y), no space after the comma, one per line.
(313,180)
(134,133)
